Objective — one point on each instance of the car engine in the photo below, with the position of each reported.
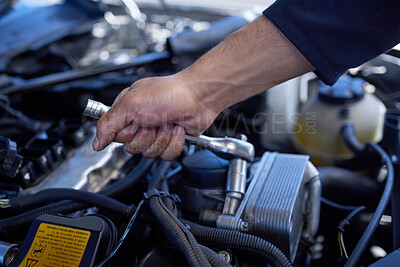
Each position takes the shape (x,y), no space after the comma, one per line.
(300,175)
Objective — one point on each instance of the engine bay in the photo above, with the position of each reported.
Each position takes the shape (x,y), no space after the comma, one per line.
(303,174)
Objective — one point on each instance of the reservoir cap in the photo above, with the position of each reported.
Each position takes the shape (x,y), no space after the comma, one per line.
(345,90)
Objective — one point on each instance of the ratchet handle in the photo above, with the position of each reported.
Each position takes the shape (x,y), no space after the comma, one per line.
(224,146)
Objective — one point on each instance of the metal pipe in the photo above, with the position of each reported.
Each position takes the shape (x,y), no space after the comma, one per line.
(313,208)
(235,186)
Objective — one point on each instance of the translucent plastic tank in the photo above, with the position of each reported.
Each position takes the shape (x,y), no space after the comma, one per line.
(318,128)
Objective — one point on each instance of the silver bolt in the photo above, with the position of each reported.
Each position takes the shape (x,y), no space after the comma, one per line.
(59,150)
(244,226)
(27,176)
(394,159)
(225,255)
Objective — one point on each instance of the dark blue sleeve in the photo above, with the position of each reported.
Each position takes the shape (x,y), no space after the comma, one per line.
(335,35)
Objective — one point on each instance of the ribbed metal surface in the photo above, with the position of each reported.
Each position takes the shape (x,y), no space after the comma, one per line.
(275,207)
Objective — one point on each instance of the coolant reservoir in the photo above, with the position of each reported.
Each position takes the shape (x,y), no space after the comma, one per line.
(321,118)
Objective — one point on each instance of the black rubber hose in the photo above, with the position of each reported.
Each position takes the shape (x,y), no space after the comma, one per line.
(25,219)
(214,258)
(158,182)
(159,175)
(58,194)
(395,204)
(346,186)
(25,121)
(178,234)
(380,209)
(350,138)
(19,221)
(391,143)
(235,240)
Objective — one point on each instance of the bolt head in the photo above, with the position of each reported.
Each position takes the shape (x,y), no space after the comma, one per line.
(225,255)
(244,226)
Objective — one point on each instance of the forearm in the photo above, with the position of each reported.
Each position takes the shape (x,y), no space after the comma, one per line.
(248,62)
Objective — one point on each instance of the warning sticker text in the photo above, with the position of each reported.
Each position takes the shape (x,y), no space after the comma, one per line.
(56,246)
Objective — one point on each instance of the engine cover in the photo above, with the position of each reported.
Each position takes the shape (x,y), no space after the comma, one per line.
(282,198)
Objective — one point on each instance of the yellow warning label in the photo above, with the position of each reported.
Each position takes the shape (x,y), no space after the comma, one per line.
(56,245)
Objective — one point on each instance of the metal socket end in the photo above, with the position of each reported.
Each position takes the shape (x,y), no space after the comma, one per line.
(95,109)
(8,252)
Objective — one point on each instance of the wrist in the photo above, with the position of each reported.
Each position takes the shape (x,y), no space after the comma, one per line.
(210,87)
(251,60)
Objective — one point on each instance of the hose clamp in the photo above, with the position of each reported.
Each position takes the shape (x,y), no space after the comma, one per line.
(161,194)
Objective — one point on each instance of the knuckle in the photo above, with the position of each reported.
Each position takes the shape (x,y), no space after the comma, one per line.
(129,149)
(148,136)
(163,140)
(124,136)
(132,147)
(142,145)
(125,102)
(168,157)
(101,124)
(150,154)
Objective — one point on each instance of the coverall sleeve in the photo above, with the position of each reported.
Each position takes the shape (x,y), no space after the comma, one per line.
(335,35)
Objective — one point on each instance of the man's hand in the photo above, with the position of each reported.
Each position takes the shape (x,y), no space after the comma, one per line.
(152,116)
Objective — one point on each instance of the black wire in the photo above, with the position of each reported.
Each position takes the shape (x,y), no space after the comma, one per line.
(337,205)
(342,226)
(380,209)
(352,215)
(18,222)
(59,194)
(122,239)
(27,122)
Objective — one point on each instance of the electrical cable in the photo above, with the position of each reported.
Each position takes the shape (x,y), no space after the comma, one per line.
(380,209)
(26,122)
(162,207)
(174,171)
(19,221)
(340,244)
(391,143)
(178,234)
(342,226)
(335,205)
(122,239)
(246,243)
(342,247)
(350,138)
(214,258)
(58,194)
